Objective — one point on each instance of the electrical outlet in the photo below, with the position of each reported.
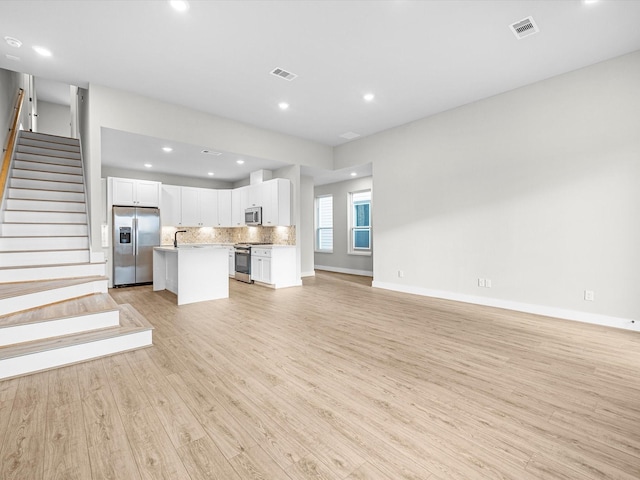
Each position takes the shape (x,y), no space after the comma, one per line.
(487,283)
(589,295)
(400,274)
(481,282)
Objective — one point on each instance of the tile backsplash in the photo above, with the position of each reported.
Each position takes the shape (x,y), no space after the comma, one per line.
(275,235)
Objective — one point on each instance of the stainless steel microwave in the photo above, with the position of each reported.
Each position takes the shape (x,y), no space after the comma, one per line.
(253,216)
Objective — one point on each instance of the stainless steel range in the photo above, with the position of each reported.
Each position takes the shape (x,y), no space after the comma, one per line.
(243,260)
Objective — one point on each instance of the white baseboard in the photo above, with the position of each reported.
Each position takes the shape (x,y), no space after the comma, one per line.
(585,317)
(312,273)
(350,271)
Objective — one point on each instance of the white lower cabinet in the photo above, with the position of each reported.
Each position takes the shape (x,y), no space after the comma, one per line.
(261,265)
(274,266)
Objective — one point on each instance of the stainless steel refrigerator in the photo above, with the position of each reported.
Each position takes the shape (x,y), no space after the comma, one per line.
(136,230)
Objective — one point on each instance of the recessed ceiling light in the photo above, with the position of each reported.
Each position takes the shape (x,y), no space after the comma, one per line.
(589,2)
(148,165)
(210,174)
(349,135)
(42,51)
(368,97)
(179,5)
(13,42)
(353,174)
(167,149)
(283,105)
(239,162)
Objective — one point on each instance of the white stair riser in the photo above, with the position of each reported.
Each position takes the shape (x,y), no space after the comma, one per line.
(44,205)
(55,196)
(46,151)
(45,137)
(46,185)
(61,326)
(38,299)
(48,272)
(14,244)
(72,162)
(39,230)
(18,216)
(24,259)
(12,367)
(47,167)
(52,177)
(45,143)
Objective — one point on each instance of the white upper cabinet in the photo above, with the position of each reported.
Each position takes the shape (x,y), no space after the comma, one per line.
(239,202)
(224,208)
(134,193)
(276,206)
(199,207)
(171,206)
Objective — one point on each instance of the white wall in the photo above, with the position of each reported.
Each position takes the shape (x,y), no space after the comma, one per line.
(54,119)
(340,260)
(293,174)
(306,226)
(10,82)
(536,189)
(165,178)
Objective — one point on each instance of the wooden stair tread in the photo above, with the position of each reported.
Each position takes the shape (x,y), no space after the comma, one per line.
(43,200)
(48,266)
(42,189)
(88,304)
(130,322)
(8,290)
(47,250)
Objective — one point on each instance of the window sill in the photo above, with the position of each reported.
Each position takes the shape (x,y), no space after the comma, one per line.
(323,251)
(362,254)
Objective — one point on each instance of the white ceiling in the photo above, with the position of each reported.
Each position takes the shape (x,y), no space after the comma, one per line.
(417,57)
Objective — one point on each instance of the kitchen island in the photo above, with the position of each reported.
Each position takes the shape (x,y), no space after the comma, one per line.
(195,273)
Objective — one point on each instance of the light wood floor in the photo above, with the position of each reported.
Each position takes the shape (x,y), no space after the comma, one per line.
(334,380)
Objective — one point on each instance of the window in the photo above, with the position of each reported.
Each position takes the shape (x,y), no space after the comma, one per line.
(360,222)
(324,223)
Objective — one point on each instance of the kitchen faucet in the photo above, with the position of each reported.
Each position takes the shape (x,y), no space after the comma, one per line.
(175,237)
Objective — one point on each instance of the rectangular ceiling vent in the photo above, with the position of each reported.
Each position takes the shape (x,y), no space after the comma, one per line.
(524,28)
(211,152)
(278,72)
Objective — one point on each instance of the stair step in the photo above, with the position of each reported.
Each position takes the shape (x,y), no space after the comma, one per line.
(46,185)
(91,312)
(32,157)
(46,167)
(47,176)
(20,244)
(15,297)
(44,205)
(46,143)
(43,229)
(49,272)
(48,137)
(47,151)
(43,257)
(134,332)
(22,216)
(53,195)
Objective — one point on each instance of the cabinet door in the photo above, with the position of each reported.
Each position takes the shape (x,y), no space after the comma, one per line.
(224,208)
(208,207)
(238,206)
(123,192)
(270,203)
(170,206)
(147,193)
(256,268)
(266,270)
(190,208)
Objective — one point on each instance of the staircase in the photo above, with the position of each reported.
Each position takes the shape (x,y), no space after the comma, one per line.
(54,304)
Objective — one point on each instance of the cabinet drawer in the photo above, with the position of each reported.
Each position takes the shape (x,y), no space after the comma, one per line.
(261,252)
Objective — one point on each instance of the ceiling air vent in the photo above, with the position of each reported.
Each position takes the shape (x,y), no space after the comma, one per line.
(524,28)
(211,152)
(278,72)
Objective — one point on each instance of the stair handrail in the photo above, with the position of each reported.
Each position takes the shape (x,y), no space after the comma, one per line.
(11,142)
